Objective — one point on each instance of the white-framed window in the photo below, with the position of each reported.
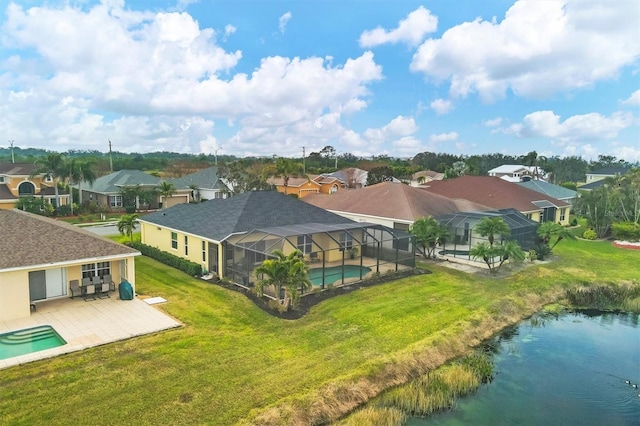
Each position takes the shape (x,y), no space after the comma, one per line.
(174,240)
(217,195)
(562,214)
(304,243)
(1,179)
(346,241)
(98,269)
(48,178)
(186,245)
(115,200)
(204,251)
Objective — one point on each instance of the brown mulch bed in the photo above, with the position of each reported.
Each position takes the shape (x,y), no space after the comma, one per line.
(311,299)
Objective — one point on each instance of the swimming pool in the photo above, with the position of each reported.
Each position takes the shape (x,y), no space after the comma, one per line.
(28,340)
(334,273)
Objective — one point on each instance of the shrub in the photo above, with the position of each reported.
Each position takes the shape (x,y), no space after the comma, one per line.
(541,250)
(589,234)
(130,209)
(184,265)
(64,210)
(574,221)
(627,231)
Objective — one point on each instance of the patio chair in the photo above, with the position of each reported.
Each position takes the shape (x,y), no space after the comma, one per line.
(103,290)
(74,287)
(89,291)
(107,279)
(96,280)
(86,281)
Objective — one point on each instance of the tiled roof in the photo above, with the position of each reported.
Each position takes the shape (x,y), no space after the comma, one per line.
(217,219)
(203,179)
(112,182)
(29,239)
(555,191)
(391,200)
(491,191)
(610,171)
(17,169)
(293,181)
(5,194)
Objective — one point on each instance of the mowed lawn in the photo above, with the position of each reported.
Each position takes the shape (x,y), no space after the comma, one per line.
(231,358)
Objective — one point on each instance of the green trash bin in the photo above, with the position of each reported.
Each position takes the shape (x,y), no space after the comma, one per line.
(126,290)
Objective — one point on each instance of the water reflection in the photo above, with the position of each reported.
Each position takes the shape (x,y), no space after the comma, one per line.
(564,369)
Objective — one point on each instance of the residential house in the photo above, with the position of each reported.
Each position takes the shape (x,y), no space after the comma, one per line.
(312,184)
(595,179)
(352,177)
(395,205)
(17,180)
(107,190)
(231,237)
(556,191)
(498,194)
(425,176)
(205,184)
(42,256)
(517,173)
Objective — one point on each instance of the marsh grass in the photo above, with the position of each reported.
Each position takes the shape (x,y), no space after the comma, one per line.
(375,416)
(626,297)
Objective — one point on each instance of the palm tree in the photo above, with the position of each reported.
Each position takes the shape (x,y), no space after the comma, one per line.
(510,250)
(53,166)
(284,168)
(491,227)
(548,230)
(127,224)
(428,233)
(80,171)
(167,189)
(288,272)
(195,193)
(486,252)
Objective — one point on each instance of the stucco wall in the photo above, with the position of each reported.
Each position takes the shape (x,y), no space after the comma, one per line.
(14,295)
(160,238)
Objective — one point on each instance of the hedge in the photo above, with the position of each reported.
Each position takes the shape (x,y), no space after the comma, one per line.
(191,268)
(626,231)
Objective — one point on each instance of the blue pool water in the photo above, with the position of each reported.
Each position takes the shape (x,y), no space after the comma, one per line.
(28,340)
(334,273)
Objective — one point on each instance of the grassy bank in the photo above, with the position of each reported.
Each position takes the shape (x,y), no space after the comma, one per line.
(232,362)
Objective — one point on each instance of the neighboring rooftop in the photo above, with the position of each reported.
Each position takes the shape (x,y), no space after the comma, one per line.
(17,169)
(29,240)
(549,189)
(610,171)
(113,182)
(217,219)
(203,179)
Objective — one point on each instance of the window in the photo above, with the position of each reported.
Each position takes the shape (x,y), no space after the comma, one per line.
(204,251)
(174,240)
(48,178)
(1,179)
(216,195)
(99,269)
(562,213)
(304,243)
(186,245)
(115,200)
(346,241)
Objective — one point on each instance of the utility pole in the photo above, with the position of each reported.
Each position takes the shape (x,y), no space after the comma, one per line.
(110,158)
(215,156)
(304,167)
(13,160)
(336,157)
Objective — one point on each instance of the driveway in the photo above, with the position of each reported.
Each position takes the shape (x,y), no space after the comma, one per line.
(104,230)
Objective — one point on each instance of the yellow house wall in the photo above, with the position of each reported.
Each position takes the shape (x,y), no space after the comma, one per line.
(564,222)
(161,239)
(14,295)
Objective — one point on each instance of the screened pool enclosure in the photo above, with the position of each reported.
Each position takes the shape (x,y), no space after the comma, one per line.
(333,251)
(462,236)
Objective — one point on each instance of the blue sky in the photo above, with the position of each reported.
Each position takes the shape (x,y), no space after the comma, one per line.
(267,77)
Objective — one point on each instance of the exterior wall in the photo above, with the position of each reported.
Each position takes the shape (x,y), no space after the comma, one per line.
(14,295)
(177,199)
(559,214)
(307,188)
(160,238)
(13,183)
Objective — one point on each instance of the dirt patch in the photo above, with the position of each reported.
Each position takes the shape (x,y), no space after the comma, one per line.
(311,299)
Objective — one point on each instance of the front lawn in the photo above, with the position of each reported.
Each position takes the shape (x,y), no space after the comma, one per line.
(231,358)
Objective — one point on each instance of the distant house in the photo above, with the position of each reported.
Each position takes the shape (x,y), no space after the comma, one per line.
(556,191)
(205,184)
(107,190)
(517,173)
(498,194)
(395,205)
(312,184)
(425,176)
(231,237)
(16,181)
(351,176)
(41,256)
(595,179)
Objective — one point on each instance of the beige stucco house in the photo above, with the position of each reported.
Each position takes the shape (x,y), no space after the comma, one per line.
(40,256)
(17,180)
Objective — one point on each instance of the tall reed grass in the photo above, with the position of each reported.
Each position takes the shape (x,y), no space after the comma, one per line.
(375,416)
(606,297)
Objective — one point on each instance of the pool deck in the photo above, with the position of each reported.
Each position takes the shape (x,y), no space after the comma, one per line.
(87,324)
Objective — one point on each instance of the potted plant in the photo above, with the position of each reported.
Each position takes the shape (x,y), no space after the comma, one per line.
(353,252)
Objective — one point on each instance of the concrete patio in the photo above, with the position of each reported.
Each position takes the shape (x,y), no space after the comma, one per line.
(86,324)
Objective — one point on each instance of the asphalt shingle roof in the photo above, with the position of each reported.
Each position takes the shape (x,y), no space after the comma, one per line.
(610,171)
(113,182)
(29,239)
(5,194)
(555,191)
(17,169)
(203,179)
(217,219)
(391,200)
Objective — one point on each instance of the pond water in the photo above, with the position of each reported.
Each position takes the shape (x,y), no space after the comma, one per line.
(569,370)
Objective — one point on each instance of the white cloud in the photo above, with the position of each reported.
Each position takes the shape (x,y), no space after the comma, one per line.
(410,30)
(444,137)
(493,122)
(283,20)
(538,49)
(399,126)
(228,30)
(633,100)
(585,127)
(441,106)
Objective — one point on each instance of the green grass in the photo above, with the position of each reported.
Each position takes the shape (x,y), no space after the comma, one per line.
(231,358)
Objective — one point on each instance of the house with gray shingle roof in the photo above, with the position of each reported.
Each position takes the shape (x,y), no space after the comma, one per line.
(42,256)
(231,237)
(595,178)
(556,191)
(205,184)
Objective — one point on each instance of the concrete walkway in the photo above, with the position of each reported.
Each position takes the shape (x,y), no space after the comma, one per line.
(86,324)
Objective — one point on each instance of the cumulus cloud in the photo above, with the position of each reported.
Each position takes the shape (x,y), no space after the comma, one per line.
(441,106)
(444,137)
(161,73)
(228,30)
(633,100)
(411,30)
(283,20)
(493,122)
(585,127)
(538,49)
(399,126)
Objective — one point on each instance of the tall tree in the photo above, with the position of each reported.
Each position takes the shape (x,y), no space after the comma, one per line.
(127,224)
(428,233)
(284,168)
(491,227)
(80,171)
(166,189)
(596,206)
(54,166)
(288,272)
